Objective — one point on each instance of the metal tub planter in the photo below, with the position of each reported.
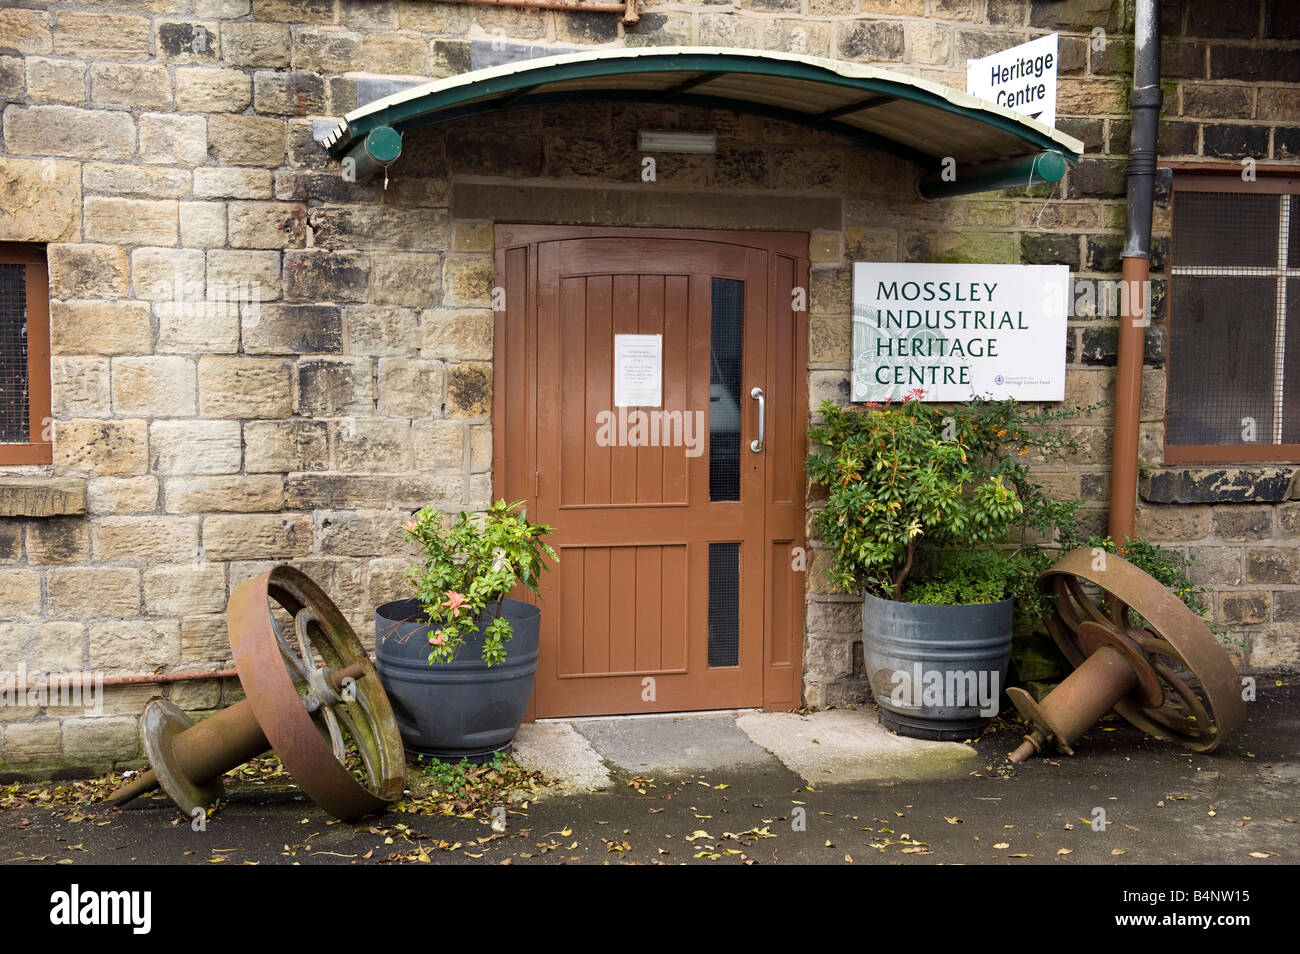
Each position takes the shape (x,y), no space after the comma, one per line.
(464,708)
(937,672)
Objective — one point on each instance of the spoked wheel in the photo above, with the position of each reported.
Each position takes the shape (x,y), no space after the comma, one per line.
(1199,702)
(315,693)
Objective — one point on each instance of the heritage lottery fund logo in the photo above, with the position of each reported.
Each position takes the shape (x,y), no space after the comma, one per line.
(957,331)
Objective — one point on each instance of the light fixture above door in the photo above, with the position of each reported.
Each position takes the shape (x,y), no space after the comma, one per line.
(671,141)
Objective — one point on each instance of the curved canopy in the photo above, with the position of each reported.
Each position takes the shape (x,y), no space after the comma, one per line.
(913,118)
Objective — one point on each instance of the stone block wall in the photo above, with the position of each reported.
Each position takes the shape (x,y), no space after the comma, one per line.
(257,361)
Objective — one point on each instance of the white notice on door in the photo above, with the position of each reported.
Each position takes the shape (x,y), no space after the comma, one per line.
(638,370)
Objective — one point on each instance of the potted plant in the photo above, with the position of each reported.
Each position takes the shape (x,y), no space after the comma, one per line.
(458,660)
(927,512)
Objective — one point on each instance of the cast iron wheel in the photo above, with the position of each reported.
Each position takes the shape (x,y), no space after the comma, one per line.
(1202,693)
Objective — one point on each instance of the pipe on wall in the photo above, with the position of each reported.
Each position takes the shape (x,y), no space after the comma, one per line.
(1136,269)
(149,679)
(628,9)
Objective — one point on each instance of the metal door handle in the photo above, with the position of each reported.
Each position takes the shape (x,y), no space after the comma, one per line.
(757,445)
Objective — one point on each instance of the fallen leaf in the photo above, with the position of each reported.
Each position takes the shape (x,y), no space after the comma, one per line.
(1000,846)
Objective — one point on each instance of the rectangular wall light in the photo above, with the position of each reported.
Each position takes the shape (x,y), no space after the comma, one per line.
(668,141)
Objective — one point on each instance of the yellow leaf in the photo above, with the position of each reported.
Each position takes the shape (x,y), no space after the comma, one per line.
(1001,845)
(1262,854)
(1117,851)
(953,820)
(1018,855)
(1064,851)
(848,858)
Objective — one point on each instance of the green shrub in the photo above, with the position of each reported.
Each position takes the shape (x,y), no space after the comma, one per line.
(939,494)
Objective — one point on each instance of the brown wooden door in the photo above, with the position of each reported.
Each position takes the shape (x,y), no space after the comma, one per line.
(675,589)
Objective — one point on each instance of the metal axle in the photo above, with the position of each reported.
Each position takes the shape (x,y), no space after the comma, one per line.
(189,758)
(1116,669)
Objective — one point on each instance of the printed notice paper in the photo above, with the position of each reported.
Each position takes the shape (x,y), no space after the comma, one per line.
(638,370)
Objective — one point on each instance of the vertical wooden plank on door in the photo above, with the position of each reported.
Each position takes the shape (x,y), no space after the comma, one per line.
(600,387)
(649,608)
(787,371)
(650,460)
(623,459)
(755,471)
(674,609)
(677,329)
(568,616)
(699,337)
(513,390)
(781,425)
(623,609)
(595,610)
(572,391)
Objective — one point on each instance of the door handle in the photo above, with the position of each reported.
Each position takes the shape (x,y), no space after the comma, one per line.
(757,445)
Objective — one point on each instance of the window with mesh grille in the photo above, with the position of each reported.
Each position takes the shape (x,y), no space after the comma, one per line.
(15,407)
(1234,331)
(24,355)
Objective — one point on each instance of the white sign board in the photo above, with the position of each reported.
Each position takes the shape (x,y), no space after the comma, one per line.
(954,332)
(1022,78)
(638,370)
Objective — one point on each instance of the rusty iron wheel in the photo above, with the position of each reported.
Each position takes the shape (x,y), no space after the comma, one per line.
(1202,701)
(290,674)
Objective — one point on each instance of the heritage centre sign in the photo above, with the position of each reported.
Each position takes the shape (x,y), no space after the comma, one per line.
(958,331)
(1022,78)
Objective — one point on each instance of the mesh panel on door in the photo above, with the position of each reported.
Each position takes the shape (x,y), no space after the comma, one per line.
(724,604)
(14,411)
(1221,360)
(724,388)
(1293,250)
(1291,409)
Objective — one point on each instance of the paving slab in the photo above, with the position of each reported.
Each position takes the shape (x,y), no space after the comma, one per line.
(560,752)
(839,746)
(680,744)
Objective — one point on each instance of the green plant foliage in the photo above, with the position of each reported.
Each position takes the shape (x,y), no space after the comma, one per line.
(909,482)
(973,576)
(1169,567)
(467,564)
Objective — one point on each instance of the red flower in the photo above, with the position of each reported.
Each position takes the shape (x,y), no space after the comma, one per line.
(915,394)
(454,602)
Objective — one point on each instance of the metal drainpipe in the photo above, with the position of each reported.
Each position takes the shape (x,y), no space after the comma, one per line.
(1136,268)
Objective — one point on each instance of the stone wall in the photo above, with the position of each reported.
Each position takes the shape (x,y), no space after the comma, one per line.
(163,151)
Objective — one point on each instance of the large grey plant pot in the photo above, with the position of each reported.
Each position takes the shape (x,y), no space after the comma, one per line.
(905,643)
(461,709)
